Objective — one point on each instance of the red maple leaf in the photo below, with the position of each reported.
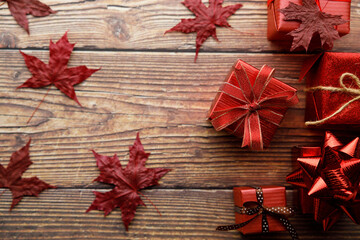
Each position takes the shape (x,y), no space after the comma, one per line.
(20,8)
(10,177)
(313,21)
(56,72)
(128,181)
(207,18)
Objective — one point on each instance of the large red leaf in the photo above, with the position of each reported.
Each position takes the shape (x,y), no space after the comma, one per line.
(10,177)
(127,181)
(313,21)
(20,8)
(206,20)
(56,72)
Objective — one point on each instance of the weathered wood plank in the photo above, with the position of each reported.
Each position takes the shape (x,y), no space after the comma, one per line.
(140,24)
(151,93)
(186,214)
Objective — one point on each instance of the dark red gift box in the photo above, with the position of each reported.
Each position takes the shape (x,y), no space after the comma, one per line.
(273,197)
(251,104)
(278,28)
(333,90)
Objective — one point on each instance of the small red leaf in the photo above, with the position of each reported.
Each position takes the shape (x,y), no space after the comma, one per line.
(128,181)
(20,8)
(10,177)
(206,20)
(313,21)
(56,72)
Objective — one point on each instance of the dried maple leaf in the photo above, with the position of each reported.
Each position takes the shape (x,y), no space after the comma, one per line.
(56,72)
(207,18)
(10,177)
(313,21)
(128,181)
(20,8)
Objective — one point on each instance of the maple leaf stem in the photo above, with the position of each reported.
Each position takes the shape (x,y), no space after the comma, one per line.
(246,33)
(42,100)
(150,202)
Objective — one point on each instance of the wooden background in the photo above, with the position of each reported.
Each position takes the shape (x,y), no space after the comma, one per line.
(148,84)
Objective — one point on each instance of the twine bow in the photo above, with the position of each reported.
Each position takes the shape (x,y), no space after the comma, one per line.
(257,209)
(342,89)
(251,104)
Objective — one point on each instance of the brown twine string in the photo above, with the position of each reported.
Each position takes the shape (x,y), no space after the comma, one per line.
(342,89)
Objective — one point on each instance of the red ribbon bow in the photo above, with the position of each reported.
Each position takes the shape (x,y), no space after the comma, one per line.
(331,176)
(248,106)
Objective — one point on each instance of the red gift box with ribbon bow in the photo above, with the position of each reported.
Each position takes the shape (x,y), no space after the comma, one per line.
(329,180)
(273,196)
(261,210)
(333,90)
(251,104)
(278,28)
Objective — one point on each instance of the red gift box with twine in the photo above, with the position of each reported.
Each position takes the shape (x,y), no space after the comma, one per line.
(333,90)
(251,104)
(278,27)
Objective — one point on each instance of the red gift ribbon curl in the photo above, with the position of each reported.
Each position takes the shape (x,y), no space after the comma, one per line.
(252,106)
(330,176)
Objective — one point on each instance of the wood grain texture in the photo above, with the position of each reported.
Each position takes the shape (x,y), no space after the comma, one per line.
(186,214)
(140,25)
(148,84)
(151,93)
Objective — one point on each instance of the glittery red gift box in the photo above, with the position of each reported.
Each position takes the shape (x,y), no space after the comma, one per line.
(278,28)
(325,70)
(273,196)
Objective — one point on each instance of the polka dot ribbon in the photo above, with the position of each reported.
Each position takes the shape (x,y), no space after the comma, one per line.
(251,208)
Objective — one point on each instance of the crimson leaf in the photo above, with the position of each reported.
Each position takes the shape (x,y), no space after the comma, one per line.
(56,72)
(313,21)
(127,181)
(10,177)
(20,8)
(206,20)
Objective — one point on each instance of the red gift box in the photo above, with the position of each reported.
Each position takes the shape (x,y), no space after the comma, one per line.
(251,104)
(273,197)
(278,28)
(333,90)
(329,181)
(261,210)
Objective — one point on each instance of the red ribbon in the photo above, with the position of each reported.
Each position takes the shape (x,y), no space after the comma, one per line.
(330,175)
(251,106)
